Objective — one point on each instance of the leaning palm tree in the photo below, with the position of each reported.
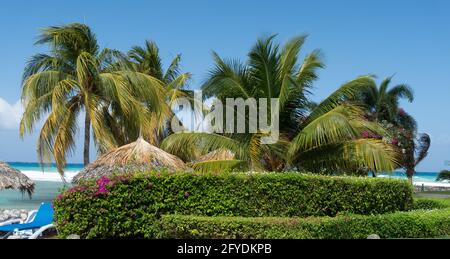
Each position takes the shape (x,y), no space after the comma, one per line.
(383,102)
(324,137)
(78,77)
(414,148)
(444,175)
(382,105)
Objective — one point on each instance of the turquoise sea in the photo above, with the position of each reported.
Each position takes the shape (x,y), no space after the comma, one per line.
(49,184)
(418,176)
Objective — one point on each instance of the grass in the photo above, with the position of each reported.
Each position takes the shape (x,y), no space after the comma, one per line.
(435,192)
(443,195)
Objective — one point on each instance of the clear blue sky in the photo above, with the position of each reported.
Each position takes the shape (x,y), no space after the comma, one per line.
(408,38)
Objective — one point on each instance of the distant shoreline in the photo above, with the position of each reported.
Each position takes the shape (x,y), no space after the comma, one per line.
(55,177)
(34,171)
(40,176)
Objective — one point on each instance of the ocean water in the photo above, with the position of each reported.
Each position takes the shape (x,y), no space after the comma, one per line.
(426,177)
(46,173)
(49,183)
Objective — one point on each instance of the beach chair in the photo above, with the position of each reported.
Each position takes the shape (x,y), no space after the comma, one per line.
(36,223)
(30,216)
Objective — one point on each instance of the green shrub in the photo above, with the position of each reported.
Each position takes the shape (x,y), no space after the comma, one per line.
(430,204)
(415,224)
(126,206)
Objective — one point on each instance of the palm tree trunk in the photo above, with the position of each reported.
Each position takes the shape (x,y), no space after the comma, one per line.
(410,173)
(87,138)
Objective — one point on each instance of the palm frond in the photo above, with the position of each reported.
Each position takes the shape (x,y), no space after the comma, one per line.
(186,145)
(64,143)
(348,91)
(43,62)
(87,70)
(289,55)
(41,84)
(402,91)
(71,39)
(219,166)
(147,60)
(229,79)
(373,154)
(307,73)
(173,71)
(330,128)
(264,62)
(102,136)
(424,143)
(175,87)
(349,156)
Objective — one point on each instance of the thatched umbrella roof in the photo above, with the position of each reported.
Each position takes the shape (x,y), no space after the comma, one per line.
(138,156)
(11,178)
(216,155)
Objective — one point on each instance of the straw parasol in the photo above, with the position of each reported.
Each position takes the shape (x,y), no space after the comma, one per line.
(138,156)
(217,155)
(11,178)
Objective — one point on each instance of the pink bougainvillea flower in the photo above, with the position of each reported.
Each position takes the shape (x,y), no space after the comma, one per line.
(365,134)
(102,182)
(394,142)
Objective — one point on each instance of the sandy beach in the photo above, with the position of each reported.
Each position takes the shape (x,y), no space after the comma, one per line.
(49,176)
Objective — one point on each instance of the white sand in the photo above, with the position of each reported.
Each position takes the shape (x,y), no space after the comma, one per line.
(55,177)
(48,176)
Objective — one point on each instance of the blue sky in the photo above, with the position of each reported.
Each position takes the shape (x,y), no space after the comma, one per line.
(410,39)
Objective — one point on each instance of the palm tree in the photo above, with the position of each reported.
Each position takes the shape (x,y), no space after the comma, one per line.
(417,153)
(312,137)
(414,146)
(443,175)
(382,105)
(383,102)
(147,60)
(75,77)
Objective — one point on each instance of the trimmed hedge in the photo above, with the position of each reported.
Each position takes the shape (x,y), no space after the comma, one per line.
(430,204)
(128,206)
(415,224)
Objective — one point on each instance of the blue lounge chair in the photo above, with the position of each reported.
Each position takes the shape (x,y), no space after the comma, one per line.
(42,221)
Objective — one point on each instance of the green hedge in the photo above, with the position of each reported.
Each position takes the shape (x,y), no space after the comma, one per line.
(126,206)
(415,224)
(430,204)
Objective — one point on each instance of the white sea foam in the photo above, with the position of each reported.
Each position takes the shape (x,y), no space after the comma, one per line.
(419,181)
(55,177)
(49,176)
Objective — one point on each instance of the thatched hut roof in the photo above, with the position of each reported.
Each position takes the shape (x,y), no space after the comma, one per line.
(216,155)
(138,156)
(11,178)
